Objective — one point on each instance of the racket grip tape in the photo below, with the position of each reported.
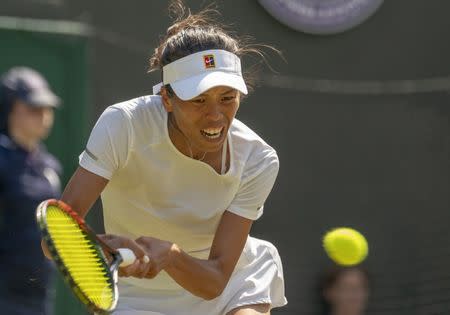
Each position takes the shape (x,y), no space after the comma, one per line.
(129,257)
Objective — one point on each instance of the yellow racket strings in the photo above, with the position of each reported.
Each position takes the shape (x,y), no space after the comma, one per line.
(80,257)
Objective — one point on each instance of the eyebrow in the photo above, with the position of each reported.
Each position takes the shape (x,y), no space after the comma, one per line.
(226,92)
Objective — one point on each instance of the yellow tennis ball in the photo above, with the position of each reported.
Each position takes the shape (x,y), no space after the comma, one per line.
(345,246)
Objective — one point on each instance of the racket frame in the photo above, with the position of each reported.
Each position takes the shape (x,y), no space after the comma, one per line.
(99,244)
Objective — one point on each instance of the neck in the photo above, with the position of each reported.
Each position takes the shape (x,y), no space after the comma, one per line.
(24,141)
(182,142)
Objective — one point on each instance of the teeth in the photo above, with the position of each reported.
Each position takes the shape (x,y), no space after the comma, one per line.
(212,133)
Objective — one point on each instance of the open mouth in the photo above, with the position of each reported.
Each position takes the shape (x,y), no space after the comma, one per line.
(212,133)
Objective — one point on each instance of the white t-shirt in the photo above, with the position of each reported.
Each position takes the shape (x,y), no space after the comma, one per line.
(155,190)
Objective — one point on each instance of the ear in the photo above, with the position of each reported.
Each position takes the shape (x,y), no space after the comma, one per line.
(166,100)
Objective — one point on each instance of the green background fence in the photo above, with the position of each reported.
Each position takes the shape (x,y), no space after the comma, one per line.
(63,61)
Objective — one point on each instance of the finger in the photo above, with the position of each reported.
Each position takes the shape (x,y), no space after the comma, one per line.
(116,241)
(143,270)
(106,237)
(145,259)
(152,272)
(129,270)
(112,240)
(122,273)
(139,268)
(137,249)
(143,242)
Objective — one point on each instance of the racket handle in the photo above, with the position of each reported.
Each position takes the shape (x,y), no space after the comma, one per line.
(128,257)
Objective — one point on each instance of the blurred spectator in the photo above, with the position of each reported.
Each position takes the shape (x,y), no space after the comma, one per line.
(345,291)
(28,175)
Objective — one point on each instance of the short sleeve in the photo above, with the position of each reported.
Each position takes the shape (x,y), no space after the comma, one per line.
(108,145)
(257,182)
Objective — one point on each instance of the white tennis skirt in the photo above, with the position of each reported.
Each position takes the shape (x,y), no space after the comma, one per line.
(257,279)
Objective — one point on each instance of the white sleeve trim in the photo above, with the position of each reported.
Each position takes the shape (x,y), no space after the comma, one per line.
(248,214)
(89,164)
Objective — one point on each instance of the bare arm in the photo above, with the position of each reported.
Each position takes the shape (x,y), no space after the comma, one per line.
(83,190)
(80,193)
(204,278)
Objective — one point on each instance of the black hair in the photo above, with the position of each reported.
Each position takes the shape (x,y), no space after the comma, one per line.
(191,33)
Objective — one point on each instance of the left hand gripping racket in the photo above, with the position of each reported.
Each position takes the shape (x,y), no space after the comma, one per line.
(81,256)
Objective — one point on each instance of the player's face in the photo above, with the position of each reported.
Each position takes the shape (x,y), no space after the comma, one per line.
(33,122)
(349,294)
(205,119)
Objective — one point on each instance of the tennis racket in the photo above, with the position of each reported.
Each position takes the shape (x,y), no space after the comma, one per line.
(89,266)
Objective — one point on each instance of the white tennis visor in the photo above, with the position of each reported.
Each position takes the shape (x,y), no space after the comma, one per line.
(194,74)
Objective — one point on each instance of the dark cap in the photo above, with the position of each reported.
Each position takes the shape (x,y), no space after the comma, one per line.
(29,86)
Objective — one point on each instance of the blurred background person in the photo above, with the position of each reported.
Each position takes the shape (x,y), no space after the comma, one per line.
(28,175)
(345,291)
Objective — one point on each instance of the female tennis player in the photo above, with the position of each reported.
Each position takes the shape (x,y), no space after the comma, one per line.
(182,180)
